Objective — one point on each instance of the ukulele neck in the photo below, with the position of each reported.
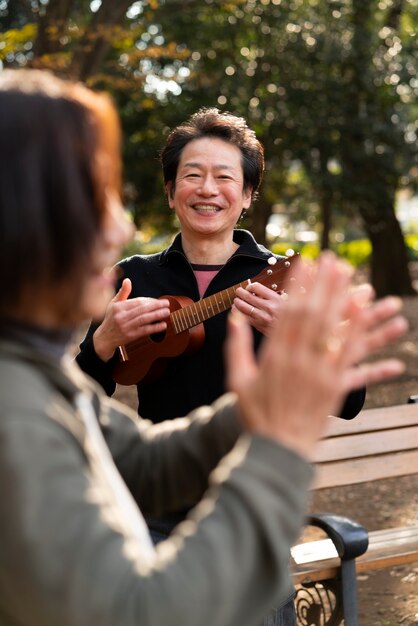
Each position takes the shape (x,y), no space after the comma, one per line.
(196,313)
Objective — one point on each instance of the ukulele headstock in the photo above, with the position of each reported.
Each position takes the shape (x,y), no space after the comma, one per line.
(274,275)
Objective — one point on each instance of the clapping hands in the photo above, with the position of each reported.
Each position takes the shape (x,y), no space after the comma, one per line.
(313,355)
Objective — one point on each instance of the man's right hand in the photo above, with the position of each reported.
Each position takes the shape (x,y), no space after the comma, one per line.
(128,319)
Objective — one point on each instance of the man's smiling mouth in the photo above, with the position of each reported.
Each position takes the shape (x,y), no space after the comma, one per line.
(207,208)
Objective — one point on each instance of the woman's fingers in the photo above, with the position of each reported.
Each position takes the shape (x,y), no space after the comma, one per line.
(306,364)
(370,373)
(372,327)
(239,353)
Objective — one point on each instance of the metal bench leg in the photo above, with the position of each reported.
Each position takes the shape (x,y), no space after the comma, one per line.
(349,592)
(329,602)
(350,540)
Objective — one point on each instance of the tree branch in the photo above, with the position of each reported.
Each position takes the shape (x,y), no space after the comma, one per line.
(97,39)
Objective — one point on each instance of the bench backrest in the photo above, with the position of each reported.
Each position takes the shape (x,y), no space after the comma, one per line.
(379,443)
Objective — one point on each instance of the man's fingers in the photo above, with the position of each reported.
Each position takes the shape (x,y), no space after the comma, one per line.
(124,291)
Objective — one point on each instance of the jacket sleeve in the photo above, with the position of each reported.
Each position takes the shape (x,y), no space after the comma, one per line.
(167,466)
(92,364)
(227,564)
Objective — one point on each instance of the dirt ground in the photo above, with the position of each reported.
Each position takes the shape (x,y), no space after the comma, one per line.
(388,597)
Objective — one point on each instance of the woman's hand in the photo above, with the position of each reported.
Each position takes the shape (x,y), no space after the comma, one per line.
(129,319)
(307,364)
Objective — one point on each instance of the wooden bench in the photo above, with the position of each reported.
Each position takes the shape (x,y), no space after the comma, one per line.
(378,444)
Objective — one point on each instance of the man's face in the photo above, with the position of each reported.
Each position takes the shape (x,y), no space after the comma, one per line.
(209,195)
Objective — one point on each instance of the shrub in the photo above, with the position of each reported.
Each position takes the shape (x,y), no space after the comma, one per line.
(356,252)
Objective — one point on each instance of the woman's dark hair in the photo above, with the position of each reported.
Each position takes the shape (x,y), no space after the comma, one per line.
(59,146)
(214,123)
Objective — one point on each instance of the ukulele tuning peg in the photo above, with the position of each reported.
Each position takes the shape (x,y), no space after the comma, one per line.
(272,260)
(287,263)
(290,252)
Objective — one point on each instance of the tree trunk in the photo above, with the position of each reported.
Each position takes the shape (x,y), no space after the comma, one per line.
(389,263)
(370,183)
(260,215)
(51,27)
(325,204)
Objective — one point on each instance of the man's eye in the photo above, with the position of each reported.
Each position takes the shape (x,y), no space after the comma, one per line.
(192,175)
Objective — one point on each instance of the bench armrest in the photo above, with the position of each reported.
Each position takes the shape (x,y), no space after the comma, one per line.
(350,538)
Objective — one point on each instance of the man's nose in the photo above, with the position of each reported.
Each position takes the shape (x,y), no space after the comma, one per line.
(208,186)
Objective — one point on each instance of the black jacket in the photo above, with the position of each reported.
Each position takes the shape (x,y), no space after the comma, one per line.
(189,380)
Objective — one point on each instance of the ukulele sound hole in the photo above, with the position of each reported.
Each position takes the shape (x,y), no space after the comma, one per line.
(158,337)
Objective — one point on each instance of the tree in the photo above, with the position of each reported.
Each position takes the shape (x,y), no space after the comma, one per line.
(374,153)
(111,47)
(327,85)
(315,82)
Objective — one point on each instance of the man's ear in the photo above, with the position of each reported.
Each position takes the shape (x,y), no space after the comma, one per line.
(169,190)
(247,196)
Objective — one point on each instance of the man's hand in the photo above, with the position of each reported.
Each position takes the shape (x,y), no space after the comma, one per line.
(128,319)
(259,304)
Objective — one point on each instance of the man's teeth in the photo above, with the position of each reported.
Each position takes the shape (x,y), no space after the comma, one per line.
(206,207)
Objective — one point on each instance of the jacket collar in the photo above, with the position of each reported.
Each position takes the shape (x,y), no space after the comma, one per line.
(247,247)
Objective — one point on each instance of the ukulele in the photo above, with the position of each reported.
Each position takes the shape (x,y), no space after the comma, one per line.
(144,359)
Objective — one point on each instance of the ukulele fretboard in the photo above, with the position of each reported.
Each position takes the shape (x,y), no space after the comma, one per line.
(202,310)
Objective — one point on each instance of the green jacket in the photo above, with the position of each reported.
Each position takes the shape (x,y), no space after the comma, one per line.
(66,559)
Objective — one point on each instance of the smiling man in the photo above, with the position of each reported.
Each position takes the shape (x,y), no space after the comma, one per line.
(213,165)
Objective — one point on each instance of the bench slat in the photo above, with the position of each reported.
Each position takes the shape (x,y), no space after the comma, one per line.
(379,444)
(367,444)
(370,420)
(387,548)
(339,473)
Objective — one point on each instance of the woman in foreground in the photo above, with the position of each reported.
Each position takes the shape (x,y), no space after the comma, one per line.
(79,473)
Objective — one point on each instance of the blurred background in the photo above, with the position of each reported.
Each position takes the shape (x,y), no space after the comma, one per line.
(329,86)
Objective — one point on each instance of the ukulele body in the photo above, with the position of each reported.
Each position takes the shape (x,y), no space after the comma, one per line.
(146,358)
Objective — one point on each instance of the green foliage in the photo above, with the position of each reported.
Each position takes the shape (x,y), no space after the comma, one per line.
(356,252)
(282,247)
(16,41)
(329,86)
(308,250)
(412,245)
